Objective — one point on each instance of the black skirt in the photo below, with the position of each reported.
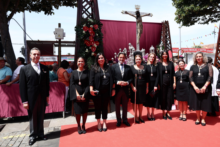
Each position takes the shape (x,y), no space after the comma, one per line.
(152,102)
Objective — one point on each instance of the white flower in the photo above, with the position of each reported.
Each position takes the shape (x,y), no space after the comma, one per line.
(95,45)
(84,25)
(97,35)
(91,26)
(90,47)
(84,32)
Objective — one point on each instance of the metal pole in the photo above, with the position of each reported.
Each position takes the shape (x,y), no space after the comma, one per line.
(59,48)
(25,41)
(179,52)
(214,39)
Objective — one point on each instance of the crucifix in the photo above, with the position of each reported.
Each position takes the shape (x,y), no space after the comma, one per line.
(139,26)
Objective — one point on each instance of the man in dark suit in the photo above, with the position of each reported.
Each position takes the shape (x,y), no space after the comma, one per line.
(34,91)
(122,78)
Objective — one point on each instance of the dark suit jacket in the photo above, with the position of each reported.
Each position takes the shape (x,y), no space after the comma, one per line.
(116,73)
(96,77)
(218,82)
(32,84)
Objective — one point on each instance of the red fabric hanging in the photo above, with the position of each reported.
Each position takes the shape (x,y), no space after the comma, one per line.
(117,34)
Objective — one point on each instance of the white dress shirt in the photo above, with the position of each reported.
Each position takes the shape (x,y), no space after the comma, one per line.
(16,73)
(36,67)
(122,71)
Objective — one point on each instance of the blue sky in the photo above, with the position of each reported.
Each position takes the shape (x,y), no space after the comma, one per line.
(41,27)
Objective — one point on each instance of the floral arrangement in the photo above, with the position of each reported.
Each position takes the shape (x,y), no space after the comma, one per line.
(90,36)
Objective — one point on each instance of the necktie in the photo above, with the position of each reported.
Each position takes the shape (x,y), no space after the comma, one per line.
(37,68)
(122,69)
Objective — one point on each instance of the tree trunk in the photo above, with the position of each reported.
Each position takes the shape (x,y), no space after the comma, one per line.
(6,39)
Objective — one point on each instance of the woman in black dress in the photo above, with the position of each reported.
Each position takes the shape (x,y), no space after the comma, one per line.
(167,84)
(200,77)
(79,93)
(141,87)
(153,76)
(101,83)
(182,89)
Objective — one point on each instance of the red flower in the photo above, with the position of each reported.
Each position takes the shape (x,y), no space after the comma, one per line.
(91,38)
(97,43)
(85,28)
(96,26)
(93,49)
(92,43)
(92,33)
(90,29)
(87,43)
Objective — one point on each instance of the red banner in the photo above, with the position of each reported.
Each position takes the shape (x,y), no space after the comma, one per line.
(194,50)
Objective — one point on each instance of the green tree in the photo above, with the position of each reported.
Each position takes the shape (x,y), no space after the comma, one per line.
(8,8)
(197,46)
(189,12)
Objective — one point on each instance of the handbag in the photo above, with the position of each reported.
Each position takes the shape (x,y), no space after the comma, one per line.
(152,94)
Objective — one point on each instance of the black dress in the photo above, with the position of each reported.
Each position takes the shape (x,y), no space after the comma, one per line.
(182,85)
(166,95)
(201,101)
(141,85)
(153,77)
(80,107)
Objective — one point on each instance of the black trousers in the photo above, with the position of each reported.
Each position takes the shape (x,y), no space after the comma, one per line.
(101,105)
(36,118)
(121,97)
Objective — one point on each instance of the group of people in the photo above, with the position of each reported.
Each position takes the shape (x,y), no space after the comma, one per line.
(151,85)
(6,75)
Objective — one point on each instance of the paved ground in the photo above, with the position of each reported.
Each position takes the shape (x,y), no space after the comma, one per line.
(16,131)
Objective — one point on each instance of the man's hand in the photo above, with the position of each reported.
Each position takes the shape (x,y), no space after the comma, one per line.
(218,92)
(26,106)
(124,83)
(9,83)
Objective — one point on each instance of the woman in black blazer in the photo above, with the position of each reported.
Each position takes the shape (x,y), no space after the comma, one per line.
(101,88)
(167,84)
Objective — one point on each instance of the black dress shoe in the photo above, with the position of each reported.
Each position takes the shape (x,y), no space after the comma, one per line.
(32,141)
(164,117)
(141,120)
(118,124)
(42,138)
(126,123)
(104,129)
(169,117)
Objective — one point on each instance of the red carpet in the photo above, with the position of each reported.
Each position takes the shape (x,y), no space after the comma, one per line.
(151,133)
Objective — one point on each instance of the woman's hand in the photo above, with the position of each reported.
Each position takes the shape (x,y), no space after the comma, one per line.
(174,86)
(134,89)
(155,89)
(78,97)
(92,92)
(113,92)
(202,90)
(196,89)
(82,98)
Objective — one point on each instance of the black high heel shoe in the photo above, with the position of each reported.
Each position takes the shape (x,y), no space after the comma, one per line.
(164,117)
(197,122)
(83,130)
(100,130)
(184,119)
(141,120)
(79,130)
(169,117)
(137,121)
(148,117)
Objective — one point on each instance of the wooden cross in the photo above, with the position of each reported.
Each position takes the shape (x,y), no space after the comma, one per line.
(139,26)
